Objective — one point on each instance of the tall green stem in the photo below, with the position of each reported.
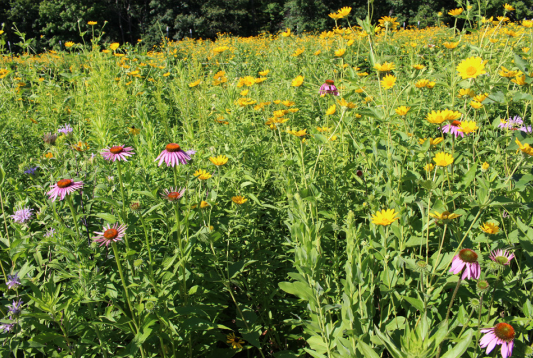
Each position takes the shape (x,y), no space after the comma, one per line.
(73,212)
(124,285)
(180,243)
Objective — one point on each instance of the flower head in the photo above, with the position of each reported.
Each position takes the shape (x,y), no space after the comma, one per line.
(13,281)
(467,260)
(402,110)
(50,232)
(173,194)
(501,334)
(485,166)
(15,309)
(31,170)
(7,327)
(443,159)
(385,217)
(239,199)
(503,257)
(66,129)
(328,88)
(236,342)
(22,215)
(525,148)
(386,67)
(202,174)
(92,23)
(345,11)
(490,228)
(455,12)
(117,152)
(472,67)
(446,215)
(173,155)
(453,128)
(451,45)
(110,234)
(331,110)
(429,167)
(218,161)
(64,187)
(388,81)
(114,46)
(297,82)
(508,7)
(287,33)
(468,127)
(388,22)
(435,117)
(340,52)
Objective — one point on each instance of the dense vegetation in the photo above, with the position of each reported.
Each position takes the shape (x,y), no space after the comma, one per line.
(361,192)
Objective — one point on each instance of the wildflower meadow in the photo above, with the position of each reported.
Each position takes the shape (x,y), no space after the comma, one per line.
(361,192)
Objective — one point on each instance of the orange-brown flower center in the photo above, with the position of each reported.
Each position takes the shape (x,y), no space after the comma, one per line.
(456,123)
(172,147)
(330,82)
(116,149)
(468,255)
(504,331)
(64,183)
(110,234)
(471,71)
(173,196)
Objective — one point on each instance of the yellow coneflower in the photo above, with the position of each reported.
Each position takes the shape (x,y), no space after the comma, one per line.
(450,45)
(386,67)
(385,217)
(388,82)
(468,127)
(490,228)
(472,67)
(236,342)
(340,52)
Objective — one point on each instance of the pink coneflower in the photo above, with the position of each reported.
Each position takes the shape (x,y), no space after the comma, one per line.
(117,152)
(503,257)
(64,187)
(329,88)
(468,258)
(173,194)
(174,155)
(22,215)
(453,128)
(110,234)
(503,334)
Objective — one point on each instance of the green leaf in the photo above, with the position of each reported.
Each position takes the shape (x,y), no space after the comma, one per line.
(460,347)
(298,289)
(520,63)
(469,176)
(107,217)
(520,96)
(252,338)
(366,350)
(416,303)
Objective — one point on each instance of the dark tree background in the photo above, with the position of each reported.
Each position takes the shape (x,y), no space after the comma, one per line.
(51,21)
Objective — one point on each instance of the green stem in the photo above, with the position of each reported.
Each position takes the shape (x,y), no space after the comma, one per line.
(122,191)
(450,307)
(4,215)
(73,211)
(124,285)
(147,243)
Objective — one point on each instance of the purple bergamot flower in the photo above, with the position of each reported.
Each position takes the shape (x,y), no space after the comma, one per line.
(22,215)
(15,309)
(13,281)
(66,129)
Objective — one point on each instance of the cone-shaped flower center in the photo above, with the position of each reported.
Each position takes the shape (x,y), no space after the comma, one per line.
(110,234)
(502,260)
(456,123)
(445,215)
(116,149)
(64,183)
(173,195)
(330,82)
(468,255)
(504,331)
(482,284)
(172,147)
(471,71)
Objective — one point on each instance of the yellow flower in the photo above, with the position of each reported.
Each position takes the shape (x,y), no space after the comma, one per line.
(331,110)
(287,33)
(527,23)
(390,22)
(114,46)
(451,45)
(465,92)
(298,52)
(92,23)
(264,73)
(468,127)
(218,161)
(435,117)
(220,49)
(450,115)
(490,228)
(402,110)
(439,14)
(525,148)
(385,217)
(446,215)
(455,12)
(239,199)
(340,52)
(362,74)
(69,44)
(432,141)
(202,174)
(502,18)
(388,81)
(429,167)
(386,67)
(245,92)
(421,83)
(469,7)
(195,83)
(345,11)
(485,166)
(519,80)
(443,159)
(419,67)
(300,133)
(475,104)
(203,205)
(48,155)
(508,7)
(481,97)
(350,43)
(369,99)
(134,131)
(166,74)
(288,103)
(525,49)
(236,342)
(297,82)
(323,129)
(431,84)
(472,67)
(318,52)
(335,16)
(219,74)
(243,102)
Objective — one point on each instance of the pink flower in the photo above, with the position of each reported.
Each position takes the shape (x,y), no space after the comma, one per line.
(117,152)
(501,256)
(174,155)
(468,258)
(110,234)
(453,128)
(329,87)
(64,187)
(173,194)
(503,334)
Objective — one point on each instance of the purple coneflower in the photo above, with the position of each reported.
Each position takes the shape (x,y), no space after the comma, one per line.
(329,88)
(13,281)
(15,309)
(110,234)
(117,152)
(467,260)
(453,128)
(7,327)
(22,215)
(174,155)
(64,187)
(66,129)
(503,257)
(503,334)
(173,194)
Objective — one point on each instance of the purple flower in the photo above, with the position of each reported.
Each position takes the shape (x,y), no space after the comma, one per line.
(453,128)
(503,257)
(22,215)
(173,194)
(66,129)
(110,234)
(174,155)
(50,232)
(64,187)
(467,260)
(329,88)
(501,334)
(117,152)
(514,124)
(526,129)
(7,327)
(13,281)
(31,171)
(15,309)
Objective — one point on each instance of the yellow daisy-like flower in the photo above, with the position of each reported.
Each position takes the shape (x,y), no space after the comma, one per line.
(485,166)
(323,129)
(134,131)
(195,83)
(218,161)
(475,104)
(386,67)
(385,217)
(450,115)
(69,44)
(236,342)
(48,155)
(443,159)
(490,228)
(219,75)
(450,45)
(527,23)
(288,103)
(463,92)
(525,148)
(203,205)
(525,49)
(419,67)
(345,11)
(444,216)
(202,174)
(220,49)
(297,82)
(439,14)
(287,33)
(519,80)
(114,46)
(298,52)
(432,141)
(264,73)
(362,74)
(318,52)
(481,97)
(331,110)
(421,83)
(388,82)
(245,92)
(435,117)
(472,67)
(468,127)
(402,110)
(340,52)
(429,167)
(300,133)
(431,84)
(239,199)
(508,7)
(335,16)
(390,22)
(502,18)
(92,23)
(455,12)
